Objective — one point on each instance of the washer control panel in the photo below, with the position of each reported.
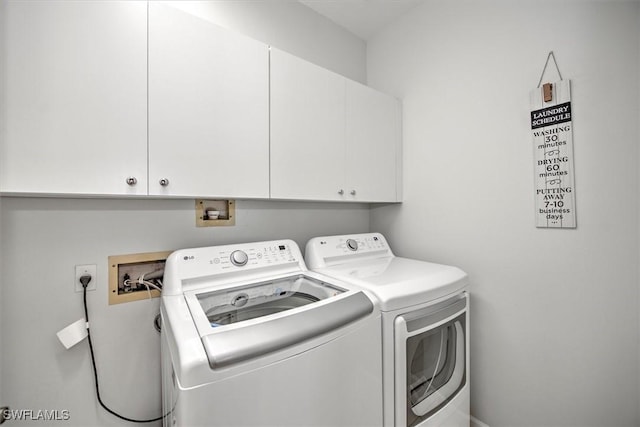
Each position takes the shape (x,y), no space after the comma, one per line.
(249,256)
(208,262)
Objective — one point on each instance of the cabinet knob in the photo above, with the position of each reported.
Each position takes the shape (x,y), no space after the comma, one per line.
(164,182)
(353,192)
(341,192)
(132,180)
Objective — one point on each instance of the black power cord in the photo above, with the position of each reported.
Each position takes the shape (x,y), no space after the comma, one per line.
(84,280)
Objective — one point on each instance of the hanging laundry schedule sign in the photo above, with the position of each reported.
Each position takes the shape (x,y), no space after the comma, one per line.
(551,127)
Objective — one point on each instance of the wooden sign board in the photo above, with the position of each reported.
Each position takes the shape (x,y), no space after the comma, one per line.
(552,131)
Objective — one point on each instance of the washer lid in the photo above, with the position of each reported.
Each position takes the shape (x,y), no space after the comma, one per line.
(240,323)
(400,282)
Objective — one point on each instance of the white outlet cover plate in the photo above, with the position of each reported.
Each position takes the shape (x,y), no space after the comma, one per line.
(81,270)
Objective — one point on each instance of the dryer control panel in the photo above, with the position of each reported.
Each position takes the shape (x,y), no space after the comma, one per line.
(331,250)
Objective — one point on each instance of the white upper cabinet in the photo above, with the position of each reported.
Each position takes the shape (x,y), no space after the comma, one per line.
(307,130)
(129,98)
(208,108)
(331,138)
(374,136)
(74,97)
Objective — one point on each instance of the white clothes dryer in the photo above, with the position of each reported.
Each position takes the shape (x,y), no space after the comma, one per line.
(425,324)
(250,337)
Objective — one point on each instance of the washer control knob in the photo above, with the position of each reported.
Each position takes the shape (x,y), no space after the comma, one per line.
(352,244)
(239,258)
(164,182)
(132,180)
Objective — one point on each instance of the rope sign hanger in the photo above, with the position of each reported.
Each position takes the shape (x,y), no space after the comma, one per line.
(551,55)
(547,88)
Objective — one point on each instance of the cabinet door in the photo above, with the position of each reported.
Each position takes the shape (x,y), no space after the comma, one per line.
(307,130)
(373,172)
(75,100)
(208,108)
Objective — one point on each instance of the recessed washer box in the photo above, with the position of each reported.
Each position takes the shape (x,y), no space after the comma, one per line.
(212,213)
(136,277)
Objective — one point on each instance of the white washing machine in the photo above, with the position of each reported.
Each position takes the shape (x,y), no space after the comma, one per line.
(250,337)
(425,324)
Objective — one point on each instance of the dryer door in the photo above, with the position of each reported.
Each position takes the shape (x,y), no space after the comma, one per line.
(432,356)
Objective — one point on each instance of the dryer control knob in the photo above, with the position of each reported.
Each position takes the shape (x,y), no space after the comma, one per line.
(239,258)
(352,244)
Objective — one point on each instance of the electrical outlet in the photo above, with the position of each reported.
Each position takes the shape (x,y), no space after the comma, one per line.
(81,270)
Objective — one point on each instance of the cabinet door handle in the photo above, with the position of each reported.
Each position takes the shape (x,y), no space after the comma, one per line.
(132,180)
(341,191)
(164,182)
(353,192)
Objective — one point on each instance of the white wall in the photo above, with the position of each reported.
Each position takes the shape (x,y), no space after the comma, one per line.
(278,24)
(554,312)
(43,239)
